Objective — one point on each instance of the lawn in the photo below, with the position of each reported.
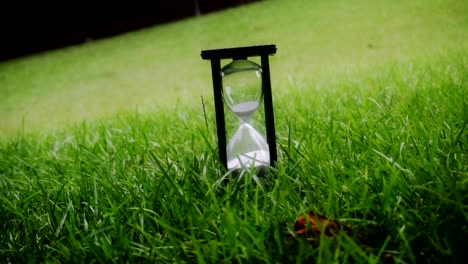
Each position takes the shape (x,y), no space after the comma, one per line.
(106,155)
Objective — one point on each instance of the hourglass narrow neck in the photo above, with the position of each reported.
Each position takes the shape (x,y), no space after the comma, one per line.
(245,110)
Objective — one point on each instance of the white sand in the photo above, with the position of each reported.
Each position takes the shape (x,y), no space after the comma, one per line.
(256,158)
(245,110)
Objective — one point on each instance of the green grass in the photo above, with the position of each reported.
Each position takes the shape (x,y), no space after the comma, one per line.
(372,135)
(390,162)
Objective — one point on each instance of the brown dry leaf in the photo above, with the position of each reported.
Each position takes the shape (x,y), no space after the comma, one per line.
(314,224)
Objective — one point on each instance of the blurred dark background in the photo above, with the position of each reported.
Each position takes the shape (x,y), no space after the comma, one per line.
(28,28)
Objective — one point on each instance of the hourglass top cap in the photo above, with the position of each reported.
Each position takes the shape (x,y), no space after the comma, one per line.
(240,65)
(238,52)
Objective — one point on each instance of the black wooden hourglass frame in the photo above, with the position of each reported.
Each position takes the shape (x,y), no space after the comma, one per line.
(242,53)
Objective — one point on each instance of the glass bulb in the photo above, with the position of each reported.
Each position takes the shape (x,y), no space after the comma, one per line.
(242,87)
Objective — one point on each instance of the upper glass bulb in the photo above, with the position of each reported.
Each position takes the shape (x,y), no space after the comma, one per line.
(242,87)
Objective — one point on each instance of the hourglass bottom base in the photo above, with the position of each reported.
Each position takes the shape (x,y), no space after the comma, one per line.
(258,159)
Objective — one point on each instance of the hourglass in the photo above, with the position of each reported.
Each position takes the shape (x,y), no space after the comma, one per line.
(242,85)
